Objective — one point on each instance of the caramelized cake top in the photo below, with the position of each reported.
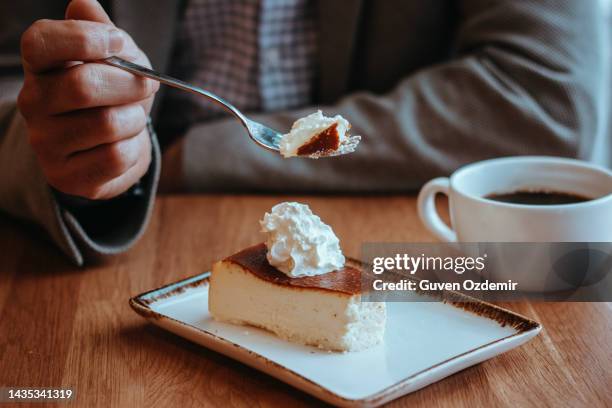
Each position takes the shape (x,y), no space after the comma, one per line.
(346,280)
(326,141)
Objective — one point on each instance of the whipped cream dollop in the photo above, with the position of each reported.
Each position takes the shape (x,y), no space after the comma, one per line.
(304,137)
(299,243)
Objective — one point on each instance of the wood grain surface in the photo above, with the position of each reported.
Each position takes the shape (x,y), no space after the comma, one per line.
(65,326)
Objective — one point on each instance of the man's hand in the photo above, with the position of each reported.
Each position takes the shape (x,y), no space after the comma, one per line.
(86,120)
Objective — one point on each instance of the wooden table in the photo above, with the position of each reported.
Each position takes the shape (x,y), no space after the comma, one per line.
(64,326)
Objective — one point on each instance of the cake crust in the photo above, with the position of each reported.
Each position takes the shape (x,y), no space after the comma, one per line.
(346,280)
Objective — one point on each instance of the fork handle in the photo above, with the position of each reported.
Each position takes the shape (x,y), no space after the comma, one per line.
(173,82)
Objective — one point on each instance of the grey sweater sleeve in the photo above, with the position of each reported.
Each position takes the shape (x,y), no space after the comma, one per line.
(79,231)
(526,78)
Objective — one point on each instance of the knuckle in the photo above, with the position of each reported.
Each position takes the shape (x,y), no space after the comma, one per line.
(29,42)
(116,159)
(109,123)
(83,38)
(140,119)
(32,40)
(149,87)
(155,86)
(114,123)
(81,84)
(142,88)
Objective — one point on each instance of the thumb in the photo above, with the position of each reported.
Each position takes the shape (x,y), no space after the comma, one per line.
(89,10)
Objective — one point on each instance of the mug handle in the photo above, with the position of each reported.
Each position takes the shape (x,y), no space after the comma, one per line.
(426,204)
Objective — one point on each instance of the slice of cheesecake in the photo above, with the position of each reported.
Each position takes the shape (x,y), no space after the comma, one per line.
(323,310)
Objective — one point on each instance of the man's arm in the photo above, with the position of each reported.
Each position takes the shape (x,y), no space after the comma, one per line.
(71,133)
(527,78)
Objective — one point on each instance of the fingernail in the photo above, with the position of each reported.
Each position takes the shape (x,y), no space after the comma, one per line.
(115,41)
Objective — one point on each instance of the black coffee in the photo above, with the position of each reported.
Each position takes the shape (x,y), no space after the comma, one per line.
(538,197)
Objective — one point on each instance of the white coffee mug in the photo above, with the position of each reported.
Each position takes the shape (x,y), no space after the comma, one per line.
(475,218)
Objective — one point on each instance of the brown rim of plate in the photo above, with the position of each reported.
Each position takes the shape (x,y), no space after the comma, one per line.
(522,324)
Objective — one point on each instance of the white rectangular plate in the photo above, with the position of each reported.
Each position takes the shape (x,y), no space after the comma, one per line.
(424,342)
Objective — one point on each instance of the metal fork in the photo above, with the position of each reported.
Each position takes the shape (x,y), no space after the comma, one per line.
(261,134)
